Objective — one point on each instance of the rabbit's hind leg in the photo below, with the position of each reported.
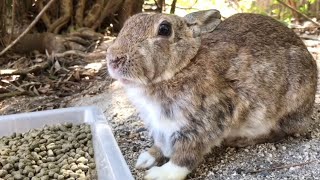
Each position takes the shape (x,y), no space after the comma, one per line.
(273,137)
(295,123)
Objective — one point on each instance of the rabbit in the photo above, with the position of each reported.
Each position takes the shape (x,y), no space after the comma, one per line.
(199,82)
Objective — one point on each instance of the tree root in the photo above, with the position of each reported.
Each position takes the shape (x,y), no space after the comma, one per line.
(93,15)
(67,7)
(28,29)
(80,12)
(109,9)
(44,17)
(12,94)
(10,72)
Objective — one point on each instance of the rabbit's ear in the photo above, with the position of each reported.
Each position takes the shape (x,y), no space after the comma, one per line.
(203,21)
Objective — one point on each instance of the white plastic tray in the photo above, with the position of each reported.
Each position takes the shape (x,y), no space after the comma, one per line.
(110,163)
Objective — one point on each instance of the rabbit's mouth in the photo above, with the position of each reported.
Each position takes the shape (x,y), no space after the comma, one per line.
(117,75)
(125,81)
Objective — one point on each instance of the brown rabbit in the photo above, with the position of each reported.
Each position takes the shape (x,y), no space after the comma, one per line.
(198,84)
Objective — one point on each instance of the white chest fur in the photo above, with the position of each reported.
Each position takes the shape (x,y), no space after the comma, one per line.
(160,126)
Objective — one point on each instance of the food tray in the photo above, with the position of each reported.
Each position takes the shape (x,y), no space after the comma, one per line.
(110,164)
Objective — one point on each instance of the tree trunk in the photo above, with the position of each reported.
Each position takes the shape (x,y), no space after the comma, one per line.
(3,18)
(128,8)
(161,5)
(173,6)
(293,4)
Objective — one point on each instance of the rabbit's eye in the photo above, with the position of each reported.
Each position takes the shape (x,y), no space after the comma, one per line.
(164,29)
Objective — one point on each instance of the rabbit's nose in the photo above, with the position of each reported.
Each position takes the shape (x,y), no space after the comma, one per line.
(116,61)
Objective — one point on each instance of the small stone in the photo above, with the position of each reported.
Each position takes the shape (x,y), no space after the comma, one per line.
(135,148)
(51,173)
(51,159)
(72,154)
(44,171)
(51,146)
(66,146)
(30,174)
(35,156)
(83,167)
(77,156)
(3,172)
(92,165)
(64,162)
(85,149)
(70,138)
(56,175)
(81,136)
(44,165)
(29,169)
(46,136)
(43,148)
(65,167)
(13,159)
(76,145)
(17,176)
(50,152)
(60,177)
(39,162)
(42,153)
(13,135)
(91,152)
(82,160)
(89,136)
(42,141)
(51,166)
(68,125)
(142,129)
(240,170)
(7,167)
(45,177)
(56,170)
(74,175)
(264,173)
(8,176)
(74,167)
(66,173)
(36,168)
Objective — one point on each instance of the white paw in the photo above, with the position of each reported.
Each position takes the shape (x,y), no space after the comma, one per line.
(145,160)
(168,171)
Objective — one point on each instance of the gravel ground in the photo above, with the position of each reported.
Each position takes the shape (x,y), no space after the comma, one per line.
(293,158)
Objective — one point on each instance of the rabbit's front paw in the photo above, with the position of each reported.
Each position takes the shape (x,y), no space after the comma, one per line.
(168,171)
(145,160)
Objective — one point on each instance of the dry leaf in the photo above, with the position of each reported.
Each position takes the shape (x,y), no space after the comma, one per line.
(44,89)
(76,75)
(57,66)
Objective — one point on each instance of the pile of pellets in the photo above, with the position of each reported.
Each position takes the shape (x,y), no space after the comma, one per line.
(54,152)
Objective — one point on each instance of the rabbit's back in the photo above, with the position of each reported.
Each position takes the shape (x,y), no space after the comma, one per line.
(269,66)
(246,29)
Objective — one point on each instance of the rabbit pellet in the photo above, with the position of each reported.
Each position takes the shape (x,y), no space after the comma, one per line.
(53,152)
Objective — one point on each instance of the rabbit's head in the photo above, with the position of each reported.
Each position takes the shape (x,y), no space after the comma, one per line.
(153,47)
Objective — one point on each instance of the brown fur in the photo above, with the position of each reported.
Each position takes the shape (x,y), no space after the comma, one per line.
(250,69)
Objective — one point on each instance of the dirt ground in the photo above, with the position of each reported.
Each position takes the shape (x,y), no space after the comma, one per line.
(293,158)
